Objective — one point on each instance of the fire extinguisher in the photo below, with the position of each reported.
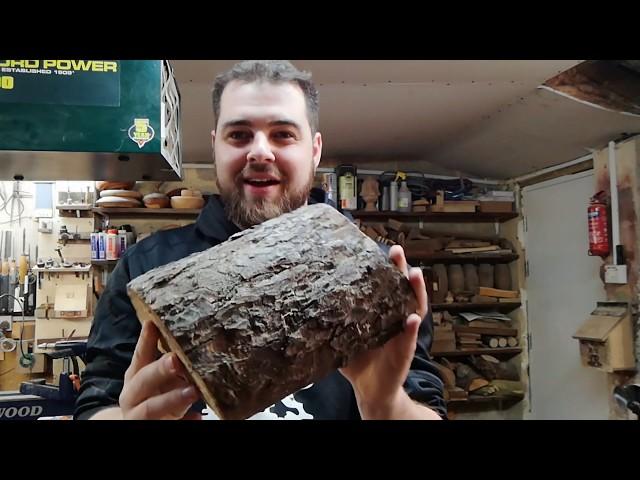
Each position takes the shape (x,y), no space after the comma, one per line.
(598,226)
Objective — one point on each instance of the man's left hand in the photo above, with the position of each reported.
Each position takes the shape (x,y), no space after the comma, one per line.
(378,375)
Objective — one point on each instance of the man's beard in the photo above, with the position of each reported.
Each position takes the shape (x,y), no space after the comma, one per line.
(246,213)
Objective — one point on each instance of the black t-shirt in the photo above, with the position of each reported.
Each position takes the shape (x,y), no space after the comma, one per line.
(115,331)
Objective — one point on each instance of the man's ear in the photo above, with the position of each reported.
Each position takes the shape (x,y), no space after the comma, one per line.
(317,149)
(213,137)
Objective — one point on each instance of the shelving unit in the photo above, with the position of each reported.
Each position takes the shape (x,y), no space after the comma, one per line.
(476,217)
(447,258)
(102,263)
(479,351)
(141,212)
(473,307)
(499,402)
(426,259)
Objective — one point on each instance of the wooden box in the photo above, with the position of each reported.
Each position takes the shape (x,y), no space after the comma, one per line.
(606,338)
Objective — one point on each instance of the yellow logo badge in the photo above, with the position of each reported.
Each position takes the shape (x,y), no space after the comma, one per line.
(141,132)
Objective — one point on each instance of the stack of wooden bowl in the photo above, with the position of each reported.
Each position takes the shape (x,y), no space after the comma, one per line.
(156,200)
(188,199)
(118,195)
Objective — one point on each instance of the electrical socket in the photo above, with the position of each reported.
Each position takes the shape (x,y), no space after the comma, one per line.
(615,274)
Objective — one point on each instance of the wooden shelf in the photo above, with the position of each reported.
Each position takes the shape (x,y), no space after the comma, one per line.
(473,307)
(479,351)
(476,217)
(500,331)
(501,401)
(62,269)
(102,263)
(448,258)
(137,212)
(72,206)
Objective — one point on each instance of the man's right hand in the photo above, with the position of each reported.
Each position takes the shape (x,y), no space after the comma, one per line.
(154,389)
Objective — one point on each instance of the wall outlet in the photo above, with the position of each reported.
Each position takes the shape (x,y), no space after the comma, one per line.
(45,226)
(615,274)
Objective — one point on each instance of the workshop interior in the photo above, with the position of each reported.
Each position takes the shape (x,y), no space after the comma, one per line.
(514,185)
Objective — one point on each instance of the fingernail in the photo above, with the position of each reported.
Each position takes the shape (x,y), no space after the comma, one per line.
(189,393)
(170,363)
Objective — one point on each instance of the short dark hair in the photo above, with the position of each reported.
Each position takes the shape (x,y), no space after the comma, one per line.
(274,71)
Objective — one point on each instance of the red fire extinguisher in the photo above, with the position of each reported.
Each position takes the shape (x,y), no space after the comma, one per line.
(598,226)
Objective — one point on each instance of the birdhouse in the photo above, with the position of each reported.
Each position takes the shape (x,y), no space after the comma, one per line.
(606,338)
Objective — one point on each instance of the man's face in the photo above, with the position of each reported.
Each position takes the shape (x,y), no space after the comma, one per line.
(264,151)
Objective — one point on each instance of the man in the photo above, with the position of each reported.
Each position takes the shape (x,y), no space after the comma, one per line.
(266,149)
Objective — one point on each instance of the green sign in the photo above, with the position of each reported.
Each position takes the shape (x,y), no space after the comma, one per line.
(61,82)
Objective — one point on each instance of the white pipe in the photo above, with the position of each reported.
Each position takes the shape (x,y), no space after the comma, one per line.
(552,169)
(367,172)
(613,182)
(483,181)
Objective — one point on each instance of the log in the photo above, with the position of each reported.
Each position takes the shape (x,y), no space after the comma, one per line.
(502,342)
(487,368)
(512,341)
(483,299)
(447,375)
(467,244)
(493,342)
(398,226)
(470,277)
(380,229)
(275,308)
(502,277)
(494,292)
(371,233)
(422,248)
(468,379)
(443,285)
(502,388)
(507,371)
(456,393)
(455,276)
(485,275)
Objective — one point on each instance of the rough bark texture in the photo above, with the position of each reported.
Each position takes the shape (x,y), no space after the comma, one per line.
(275,307)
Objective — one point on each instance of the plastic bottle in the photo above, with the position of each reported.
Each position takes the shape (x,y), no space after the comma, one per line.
(94,245)
(404,198)
(102,245)
(112,244)
(393,203)
(385,199)
(122,242)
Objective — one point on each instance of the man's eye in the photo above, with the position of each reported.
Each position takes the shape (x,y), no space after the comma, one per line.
(284,134)
(239,135)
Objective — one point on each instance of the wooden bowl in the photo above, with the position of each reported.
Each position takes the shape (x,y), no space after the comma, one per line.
(156,200)
(121,193)
(107,185)
(118,202)
(187,202)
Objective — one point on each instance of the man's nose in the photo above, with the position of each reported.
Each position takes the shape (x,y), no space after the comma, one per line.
(260,150)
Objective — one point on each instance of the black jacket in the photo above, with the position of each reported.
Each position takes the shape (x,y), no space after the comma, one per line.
(115,332)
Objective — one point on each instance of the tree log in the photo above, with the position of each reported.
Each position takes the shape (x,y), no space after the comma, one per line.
(486,368)
(275,308)
(468,379)
(507,371)
(446,374)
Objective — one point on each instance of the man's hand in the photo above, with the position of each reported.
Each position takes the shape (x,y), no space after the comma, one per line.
(154,389)
(378,376)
